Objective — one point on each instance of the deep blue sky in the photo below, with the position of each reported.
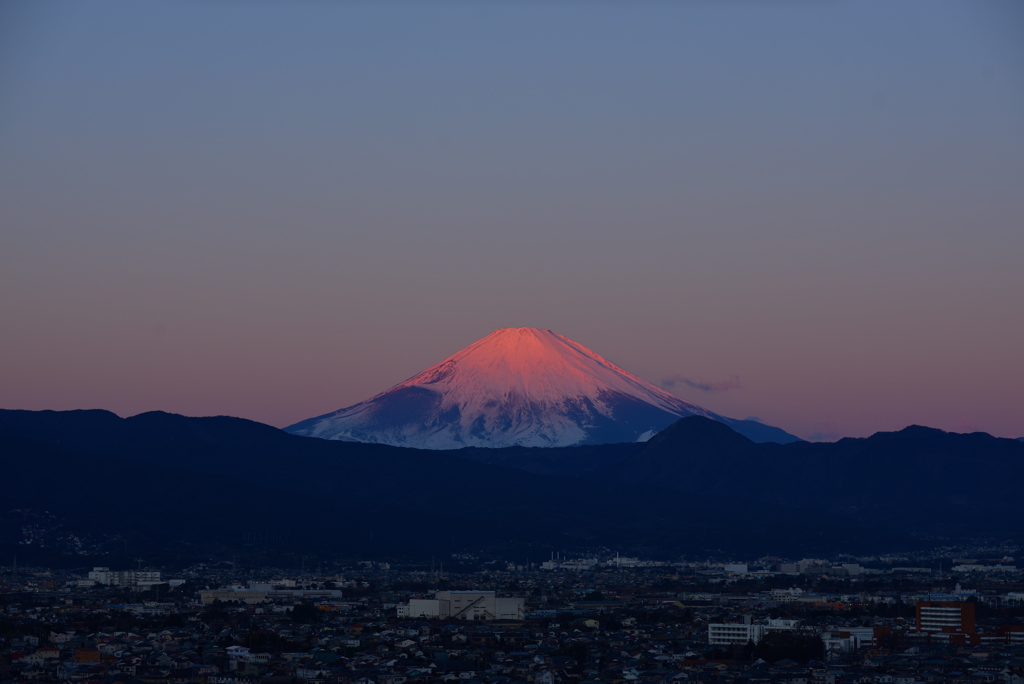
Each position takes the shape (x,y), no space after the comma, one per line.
(276,209)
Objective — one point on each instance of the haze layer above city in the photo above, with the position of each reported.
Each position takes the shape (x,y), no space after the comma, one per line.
(805,214)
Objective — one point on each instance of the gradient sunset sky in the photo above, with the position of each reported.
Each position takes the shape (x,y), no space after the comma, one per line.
(807,212)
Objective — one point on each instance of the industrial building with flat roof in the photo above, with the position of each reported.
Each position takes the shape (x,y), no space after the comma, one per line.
(465,605)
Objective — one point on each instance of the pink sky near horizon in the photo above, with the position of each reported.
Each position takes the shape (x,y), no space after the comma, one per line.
(275,211)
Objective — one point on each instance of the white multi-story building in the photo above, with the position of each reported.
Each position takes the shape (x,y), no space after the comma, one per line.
(125,578)
(788,595)
(727,634)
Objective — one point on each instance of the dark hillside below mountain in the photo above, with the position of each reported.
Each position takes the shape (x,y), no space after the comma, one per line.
(919,480)
(200,485)
(178,485)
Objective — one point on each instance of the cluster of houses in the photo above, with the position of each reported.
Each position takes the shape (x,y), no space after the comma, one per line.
(628,625)
(336,651)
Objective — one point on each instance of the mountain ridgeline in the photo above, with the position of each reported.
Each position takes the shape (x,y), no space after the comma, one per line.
(89,482)
(919,480)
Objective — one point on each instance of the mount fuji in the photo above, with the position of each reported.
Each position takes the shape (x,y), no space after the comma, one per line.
(519,387)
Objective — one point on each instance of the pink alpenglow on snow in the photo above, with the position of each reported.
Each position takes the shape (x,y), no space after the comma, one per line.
(518,387)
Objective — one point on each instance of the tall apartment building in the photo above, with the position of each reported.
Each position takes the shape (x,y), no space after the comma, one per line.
(948,617)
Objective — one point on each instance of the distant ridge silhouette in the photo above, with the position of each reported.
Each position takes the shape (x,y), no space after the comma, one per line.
(190,487)
(181,487)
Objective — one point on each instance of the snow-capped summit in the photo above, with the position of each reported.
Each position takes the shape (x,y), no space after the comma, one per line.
(517,386)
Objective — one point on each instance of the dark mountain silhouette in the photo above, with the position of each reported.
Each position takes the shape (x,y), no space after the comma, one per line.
(192,486)
(919,480)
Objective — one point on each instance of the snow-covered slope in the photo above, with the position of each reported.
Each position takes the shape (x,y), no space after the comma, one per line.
(517,386)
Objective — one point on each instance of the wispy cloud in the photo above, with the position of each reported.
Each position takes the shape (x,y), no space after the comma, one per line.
(825,432)
(723,386)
